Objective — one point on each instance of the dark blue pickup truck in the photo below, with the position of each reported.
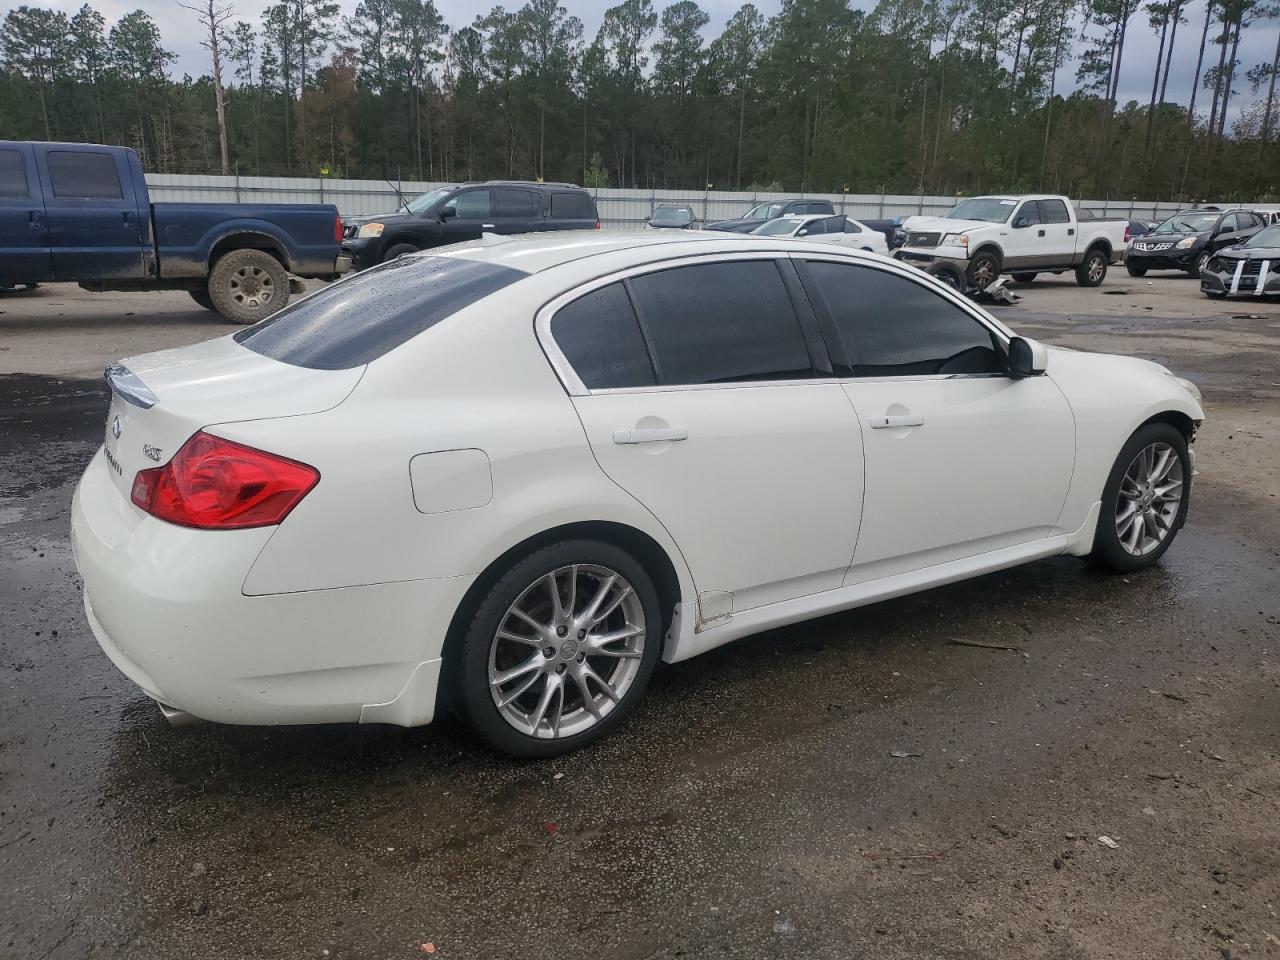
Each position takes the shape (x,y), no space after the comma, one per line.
(81,213)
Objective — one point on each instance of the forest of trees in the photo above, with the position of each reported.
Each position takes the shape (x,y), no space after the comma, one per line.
(934,96)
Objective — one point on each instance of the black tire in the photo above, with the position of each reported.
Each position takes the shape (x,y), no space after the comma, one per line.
(984,269)
(1092,269)
(469,673)
(1200,265)
(1024,277)
(950,275)
(1135,271)
(1108,552)
(1216,294)
(202,297)
(399,250)
(246,286)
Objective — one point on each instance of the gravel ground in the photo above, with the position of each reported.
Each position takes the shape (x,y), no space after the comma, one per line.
(754,806)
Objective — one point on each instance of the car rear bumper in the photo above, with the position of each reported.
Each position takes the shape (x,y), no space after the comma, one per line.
(166,605)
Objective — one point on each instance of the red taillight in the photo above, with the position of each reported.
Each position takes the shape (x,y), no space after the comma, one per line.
(1126,233)
(215,484)
(597,224)
(337,229)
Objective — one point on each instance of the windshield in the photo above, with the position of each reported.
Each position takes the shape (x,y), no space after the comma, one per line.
(987,209)
(672,216)
(776,228)
(1266,237)
(424,202)
(764,211)
(1188,223)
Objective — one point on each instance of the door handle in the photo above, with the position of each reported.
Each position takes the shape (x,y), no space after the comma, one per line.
(35,220)
(650,435)
(1071,231)
(1041,233)
(903,420)
(486,226)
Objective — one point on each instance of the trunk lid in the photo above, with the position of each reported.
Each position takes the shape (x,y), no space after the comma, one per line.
(158,400)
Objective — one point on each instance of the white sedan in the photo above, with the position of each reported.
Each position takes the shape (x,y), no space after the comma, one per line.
(512,476)
(838,229)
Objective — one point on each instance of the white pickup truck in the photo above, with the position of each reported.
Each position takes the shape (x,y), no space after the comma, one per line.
(981,237)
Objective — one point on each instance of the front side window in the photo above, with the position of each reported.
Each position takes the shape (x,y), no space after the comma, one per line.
(894,327)
(350,323)
(13,175)
(470,205)
(599,336)
(812,228)
(727,322)
(84,176)
(1028,213)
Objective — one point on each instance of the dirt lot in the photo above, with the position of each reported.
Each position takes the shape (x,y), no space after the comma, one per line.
(754,806)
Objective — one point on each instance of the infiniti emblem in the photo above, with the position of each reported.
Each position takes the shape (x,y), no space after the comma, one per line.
(117,426)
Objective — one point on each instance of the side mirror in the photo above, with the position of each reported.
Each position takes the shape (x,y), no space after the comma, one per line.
(447,213)
(1021,223)
(803,233)
(1027,358)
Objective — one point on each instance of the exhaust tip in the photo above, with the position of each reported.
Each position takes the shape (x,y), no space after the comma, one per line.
(176,717)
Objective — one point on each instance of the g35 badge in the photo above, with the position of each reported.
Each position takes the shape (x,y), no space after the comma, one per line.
(150,452)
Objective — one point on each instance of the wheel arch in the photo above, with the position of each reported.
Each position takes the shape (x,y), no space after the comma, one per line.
(1175,418)
(988,246)
(647,551)
(249,240)
(1101,243)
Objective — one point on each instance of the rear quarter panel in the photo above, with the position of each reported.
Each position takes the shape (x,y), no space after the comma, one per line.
(186,234)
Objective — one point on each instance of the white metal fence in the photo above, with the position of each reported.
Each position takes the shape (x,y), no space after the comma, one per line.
(619,209)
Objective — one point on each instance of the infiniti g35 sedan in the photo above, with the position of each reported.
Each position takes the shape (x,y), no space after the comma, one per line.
(510,477)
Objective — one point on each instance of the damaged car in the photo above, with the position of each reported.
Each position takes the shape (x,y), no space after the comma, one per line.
(1251,268)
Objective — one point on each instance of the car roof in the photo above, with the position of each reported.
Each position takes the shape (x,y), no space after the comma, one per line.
(533,253)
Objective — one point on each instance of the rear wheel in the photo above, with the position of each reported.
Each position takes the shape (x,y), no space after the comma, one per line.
(1093,269)
(561,649)
(1024,277)
(1135,271)
(1144,502)
(246,286)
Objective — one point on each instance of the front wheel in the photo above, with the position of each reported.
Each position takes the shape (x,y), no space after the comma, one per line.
(1092,270)
(246,286)
(1144,502)
(984,268)
(561,649)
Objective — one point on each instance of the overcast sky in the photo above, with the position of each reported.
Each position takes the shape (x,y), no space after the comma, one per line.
(181,35)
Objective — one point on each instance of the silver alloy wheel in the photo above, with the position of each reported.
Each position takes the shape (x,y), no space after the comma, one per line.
(984,274)
(567,651)
(1202,262)
(1150,494)
(1097,268)
(252,286)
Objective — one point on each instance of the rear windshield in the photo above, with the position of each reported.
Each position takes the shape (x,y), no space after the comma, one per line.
(359,319)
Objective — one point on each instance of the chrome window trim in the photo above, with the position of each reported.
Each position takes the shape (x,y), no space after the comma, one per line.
(574,386)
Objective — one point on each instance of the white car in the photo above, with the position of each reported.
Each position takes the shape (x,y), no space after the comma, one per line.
(838,229)
(512,475)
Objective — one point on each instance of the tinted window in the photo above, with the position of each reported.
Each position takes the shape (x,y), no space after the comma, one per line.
(721,323)
(851,227)
(513,203)
(572,206)
(1029,213)
(1227,223)
(361,318)
(471,204)
(13,175)
(84,176)
(813,228)
(600,338)
(1054,211)
(894,327)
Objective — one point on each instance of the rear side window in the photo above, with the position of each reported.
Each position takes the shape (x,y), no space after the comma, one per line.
(84,176)
(13,175)
(1054,211)
(894,327)
(361,318)
(721,323)
(572,206)
(513,203)
(599,336)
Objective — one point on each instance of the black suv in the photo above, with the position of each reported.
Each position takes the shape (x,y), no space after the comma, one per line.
(451,214)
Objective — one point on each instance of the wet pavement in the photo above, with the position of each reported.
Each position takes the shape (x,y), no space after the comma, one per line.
(856,786)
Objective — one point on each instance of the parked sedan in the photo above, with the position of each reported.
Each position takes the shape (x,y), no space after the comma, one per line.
(672,216)
(512,476)
(838,229)
(1251,268)
(1188,239)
